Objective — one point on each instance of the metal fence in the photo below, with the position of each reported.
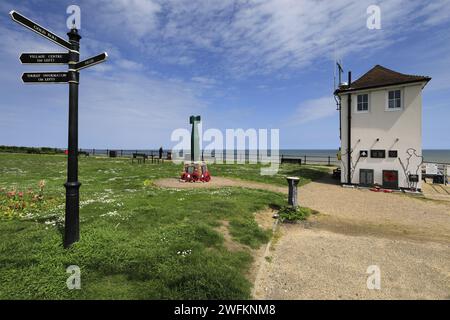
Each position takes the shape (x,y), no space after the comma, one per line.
(240,157)
(123,152)
(440,174)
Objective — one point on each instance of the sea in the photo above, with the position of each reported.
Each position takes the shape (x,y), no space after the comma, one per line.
(312,155)
(429,155)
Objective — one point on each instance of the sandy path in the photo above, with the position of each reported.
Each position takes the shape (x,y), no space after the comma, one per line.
(374,209)
(318,264)
(218,182)
(327,257)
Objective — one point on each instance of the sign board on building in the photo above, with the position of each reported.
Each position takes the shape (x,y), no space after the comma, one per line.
(431,168)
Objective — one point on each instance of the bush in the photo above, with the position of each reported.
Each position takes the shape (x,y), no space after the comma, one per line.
(30,150)
(290,214)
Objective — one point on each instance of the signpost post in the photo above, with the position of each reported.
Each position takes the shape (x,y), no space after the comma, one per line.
(72,77)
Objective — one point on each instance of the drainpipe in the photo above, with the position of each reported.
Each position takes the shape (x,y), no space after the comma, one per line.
(349,135)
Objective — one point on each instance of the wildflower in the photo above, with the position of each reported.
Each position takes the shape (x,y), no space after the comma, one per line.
(20,194)
(41,184)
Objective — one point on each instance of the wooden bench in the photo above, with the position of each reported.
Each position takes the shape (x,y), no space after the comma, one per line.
(140,157)
(85,153)
(291,160)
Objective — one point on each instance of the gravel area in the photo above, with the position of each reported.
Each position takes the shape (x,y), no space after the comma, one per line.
(319,264)
(327,257)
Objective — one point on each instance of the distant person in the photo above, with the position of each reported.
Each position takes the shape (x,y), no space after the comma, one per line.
(160,152)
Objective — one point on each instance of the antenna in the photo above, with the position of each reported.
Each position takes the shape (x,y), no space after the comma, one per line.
(340,70)
(339,66)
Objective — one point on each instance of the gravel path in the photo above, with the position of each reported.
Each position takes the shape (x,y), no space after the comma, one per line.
(327,257)
(319,264)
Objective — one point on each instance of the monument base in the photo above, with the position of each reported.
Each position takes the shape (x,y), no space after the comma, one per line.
(196,171)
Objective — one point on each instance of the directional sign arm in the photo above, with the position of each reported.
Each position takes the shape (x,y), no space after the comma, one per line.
(27,23)
(44,58)
(45,77)
(91,61)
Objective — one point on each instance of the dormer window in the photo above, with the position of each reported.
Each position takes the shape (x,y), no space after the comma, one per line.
(362,103)
(394,100)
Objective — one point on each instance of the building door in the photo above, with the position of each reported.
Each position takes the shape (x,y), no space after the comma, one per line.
(366,177)
(390,179)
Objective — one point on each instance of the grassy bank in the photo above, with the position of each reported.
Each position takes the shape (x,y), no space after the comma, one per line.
(137,241)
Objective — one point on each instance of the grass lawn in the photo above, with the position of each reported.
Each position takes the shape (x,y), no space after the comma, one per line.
(307,173)
(137,241)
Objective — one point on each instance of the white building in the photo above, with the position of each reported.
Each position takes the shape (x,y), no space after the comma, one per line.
(381,121)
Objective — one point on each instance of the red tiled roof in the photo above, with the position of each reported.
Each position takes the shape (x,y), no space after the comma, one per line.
(380,76)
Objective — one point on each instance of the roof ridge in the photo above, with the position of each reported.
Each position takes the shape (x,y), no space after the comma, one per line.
(379,76)
(403,74)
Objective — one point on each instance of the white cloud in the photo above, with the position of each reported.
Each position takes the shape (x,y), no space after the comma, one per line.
(134,18)
(129,108)
(313,110)
(124,107)
(264,36)
(129,64)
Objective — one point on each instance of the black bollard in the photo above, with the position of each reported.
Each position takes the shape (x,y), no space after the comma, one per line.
(292,198)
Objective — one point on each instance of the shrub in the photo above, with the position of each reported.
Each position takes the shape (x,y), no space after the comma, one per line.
(290,214)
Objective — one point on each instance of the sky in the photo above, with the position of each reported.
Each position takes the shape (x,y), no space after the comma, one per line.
(239,64)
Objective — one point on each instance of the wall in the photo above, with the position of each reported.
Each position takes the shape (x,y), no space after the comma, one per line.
(388,126)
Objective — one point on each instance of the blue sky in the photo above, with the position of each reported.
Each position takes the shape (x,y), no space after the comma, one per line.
(239,64)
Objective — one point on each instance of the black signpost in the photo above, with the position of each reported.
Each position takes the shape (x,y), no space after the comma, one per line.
(72,185)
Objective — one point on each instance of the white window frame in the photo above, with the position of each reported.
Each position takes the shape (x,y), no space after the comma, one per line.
(368,102)
(355,102)
(402,99)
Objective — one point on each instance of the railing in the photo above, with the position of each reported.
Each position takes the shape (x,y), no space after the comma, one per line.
(313,159)
(124,153)
(442,174)
(240,157)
